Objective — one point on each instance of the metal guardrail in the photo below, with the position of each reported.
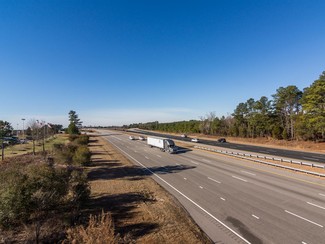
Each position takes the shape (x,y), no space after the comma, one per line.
(251,156)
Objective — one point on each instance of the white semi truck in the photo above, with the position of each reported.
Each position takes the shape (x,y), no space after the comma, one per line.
(165,145)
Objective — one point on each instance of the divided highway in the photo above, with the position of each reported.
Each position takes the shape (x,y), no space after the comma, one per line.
(300,155)
(234,201)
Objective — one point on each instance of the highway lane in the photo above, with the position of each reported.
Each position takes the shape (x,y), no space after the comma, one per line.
(261,204)
(300,155)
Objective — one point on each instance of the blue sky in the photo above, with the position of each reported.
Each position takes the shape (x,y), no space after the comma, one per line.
(119,62)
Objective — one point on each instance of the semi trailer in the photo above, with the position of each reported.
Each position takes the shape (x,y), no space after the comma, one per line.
(165,145)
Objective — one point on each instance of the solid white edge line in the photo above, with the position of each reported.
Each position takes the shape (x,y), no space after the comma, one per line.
(238,178)
(214,180)
(315,205)
(321,194)
(182,194)
(312,222)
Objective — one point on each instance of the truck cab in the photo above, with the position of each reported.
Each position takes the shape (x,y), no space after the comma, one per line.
(170,146)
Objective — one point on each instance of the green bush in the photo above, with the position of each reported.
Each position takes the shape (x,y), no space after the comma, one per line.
(15,199)
(73,129)
(63,154)
(47,185)
(82,156)
(29,190)
(73,137)
(79,189)
(82,140)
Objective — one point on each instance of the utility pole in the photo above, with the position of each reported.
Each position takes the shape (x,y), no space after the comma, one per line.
(2,150)
(23,128)
(43,123)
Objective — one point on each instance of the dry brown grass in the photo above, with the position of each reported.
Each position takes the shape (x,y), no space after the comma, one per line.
(100,230)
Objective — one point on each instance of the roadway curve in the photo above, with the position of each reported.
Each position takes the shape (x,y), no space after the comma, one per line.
(232,200)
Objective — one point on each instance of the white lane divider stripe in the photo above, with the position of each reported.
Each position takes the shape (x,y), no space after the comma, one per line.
(185,178)
(321,194)
(246,172)
(158,156)
(238,178)
(315,205)
(201,187)
(296,215)
(181,193)
(203,159)
(194,162)
(222,199)
(255,216)
(214,180)
(177,164)
(146,157)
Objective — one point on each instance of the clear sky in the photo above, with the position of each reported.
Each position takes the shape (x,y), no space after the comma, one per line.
(119,62)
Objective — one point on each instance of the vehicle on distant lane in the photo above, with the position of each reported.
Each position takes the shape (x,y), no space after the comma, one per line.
(222,140)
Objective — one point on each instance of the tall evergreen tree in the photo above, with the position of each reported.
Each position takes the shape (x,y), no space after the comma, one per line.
(5,128)
(287,104)
(313,103)
(75,123)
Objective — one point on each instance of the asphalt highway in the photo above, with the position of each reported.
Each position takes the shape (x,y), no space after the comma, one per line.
(234,201)
(299,155)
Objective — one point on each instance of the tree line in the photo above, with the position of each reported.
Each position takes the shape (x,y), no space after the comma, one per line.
(291,114)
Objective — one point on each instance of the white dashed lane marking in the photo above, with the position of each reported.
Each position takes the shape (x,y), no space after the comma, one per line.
(214,180)
(255,216)
(239,178)
(246,172)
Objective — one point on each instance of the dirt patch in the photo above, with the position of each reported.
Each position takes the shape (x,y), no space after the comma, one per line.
(142,210)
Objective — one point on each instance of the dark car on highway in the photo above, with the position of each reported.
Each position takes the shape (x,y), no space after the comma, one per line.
(222,140)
